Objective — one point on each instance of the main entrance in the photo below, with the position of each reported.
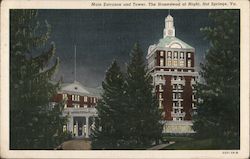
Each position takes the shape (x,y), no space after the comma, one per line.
(82,126)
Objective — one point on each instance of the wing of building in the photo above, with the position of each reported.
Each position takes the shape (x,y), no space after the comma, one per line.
(79,105)
(171,64)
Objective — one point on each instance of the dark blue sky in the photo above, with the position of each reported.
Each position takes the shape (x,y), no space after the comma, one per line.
(102,35)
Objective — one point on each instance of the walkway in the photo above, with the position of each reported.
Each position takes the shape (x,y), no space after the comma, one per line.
(76,144)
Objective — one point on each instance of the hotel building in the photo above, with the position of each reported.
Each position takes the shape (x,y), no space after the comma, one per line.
(79,105)
(171,64)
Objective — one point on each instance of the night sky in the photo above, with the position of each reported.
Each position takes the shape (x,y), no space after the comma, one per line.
(104,35)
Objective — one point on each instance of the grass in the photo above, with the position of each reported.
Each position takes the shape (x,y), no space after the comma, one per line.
(192,143)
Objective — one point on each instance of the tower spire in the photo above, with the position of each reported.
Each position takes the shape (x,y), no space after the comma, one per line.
(75,65)
(169,29)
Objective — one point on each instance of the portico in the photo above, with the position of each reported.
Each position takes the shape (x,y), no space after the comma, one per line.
(80,121)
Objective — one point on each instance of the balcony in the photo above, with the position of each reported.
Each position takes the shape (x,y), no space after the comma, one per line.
(177,107)
(80,110)
(178,114)
(177,90)
(177,99)
(178,82)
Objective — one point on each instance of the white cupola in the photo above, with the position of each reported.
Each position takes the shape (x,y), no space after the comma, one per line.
(169,29)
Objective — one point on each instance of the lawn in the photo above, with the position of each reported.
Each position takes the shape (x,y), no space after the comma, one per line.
(191,143)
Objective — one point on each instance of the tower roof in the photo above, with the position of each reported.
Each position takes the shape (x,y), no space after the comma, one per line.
(173,42)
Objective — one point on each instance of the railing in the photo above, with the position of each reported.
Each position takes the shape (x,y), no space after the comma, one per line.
(81,110)
(178,114)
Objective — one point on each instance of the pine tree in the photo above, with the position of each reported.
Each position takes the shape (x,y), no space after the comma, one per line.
(218,107)
(110,124)
(143,114)
(34,124)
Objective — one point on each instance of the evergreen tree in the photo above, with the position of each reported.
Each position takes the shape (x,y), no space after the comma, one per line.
(218,107)
(34,123)
(143,115)
(110,124)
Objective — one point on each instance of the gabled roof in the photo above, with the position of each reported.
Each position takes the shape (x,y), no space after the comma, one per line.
(168,41)
(75,87)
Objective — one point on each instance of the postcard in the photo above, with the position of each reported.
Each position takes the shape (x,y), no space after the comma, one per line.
(124,79)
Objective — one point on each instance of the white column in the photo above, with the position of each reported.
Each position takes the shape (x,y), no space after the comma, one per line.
(70,125)
(87,126)
(76,128)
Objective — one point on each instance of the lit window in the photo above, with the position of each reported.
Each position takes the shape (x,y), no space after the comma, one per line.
(160,87)
(160,96)
(85,106)
(169,54)
(85,98)
(182,55)
(65,97)
(174,97)
(76,105)
(179,95)
(175,55)
(73,97)
(189,63)
(181,63)
(161,53)
(189,55)
(161,62)
(160,104)
(175,62)
(169,62)
(64,128)
(94,100)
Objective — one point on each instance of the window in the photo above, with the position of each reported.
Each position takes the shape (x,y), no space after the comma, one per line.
(75,97)
(179,95)
(85,106)
(174,96)
(175,62)
(94,100)
(76,105)
(160,104)
(161,62)
(160,87)
(161,53)
(189,55)
(182,55)
(181,63)
(179,86)
(65,96)
(169,54)
(189,63)
(64,128)
(85,98)
(160,95)
(175,55)
(169,62)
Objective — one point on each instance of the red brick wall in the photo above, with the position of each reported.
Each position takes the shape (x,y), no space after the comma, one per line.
(187,98)
(90,100)
(167,98)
